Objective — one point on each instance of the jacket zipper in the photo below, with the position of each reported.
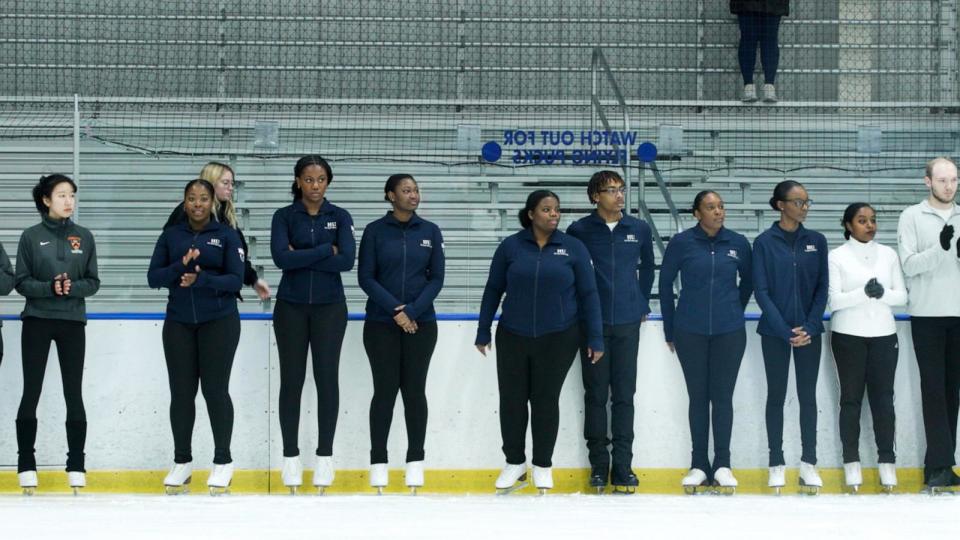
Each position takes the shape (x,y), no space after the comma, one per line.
(403,270)
(313,222)
(713,266)
(193,302)
(536,282)
(796,283)
(613,269)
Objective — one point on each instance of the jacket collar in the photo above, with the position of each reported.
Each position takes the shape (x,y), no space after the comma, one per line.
(723,234)
(555,238)
(925,206)
(325,207)
(390,219)
(595,218)
(212,225)
(54,224)
(779,233)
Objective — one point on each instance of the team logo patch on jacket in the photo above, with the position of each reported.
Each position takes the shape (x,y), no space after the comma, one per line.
(562,252)
(426,242)
(215,242)
(810,248)
(240,251)
(733,254)
(631,238)
(331,225)
(74,244)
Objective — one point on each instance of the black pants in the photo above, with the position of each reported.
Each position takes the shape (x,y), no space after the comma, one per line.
(806,367)
(866,364)
(320,327)
(70,338)
(710,367)
(759,29)
(201,355)
(399,362)
(614,377)
(936,342)
(532,370)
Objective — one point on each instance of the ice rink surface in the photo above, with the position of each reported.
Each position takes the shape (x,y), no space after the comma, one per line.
(489,517)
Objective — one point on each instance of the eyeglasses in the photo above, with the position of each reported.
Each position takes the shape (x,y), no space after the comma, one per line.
(614,190)
(800,203)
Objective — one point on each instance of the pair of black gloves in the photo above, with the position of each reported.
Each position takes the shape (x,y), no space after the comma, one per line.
(873,288)
(946,235)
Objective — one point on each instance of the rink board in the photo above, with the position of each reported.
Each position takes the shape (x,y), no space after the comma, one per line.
(129,445)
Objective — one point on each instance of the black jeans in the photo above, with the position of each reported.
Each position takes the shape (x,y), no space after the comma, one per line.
(35,340)
(399,362)
(936,342)
(759,29)
(532,370)
(321,328)
(710,368)
(806,367)
(613,378)
(866,363)
(201,355)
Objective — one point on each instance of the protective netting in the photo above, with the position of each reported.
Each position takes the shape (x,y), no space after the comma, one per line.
(483,99)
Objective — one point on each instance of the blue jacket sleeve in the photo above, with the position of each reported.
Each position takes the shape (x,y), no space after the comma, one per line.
(669,269)
(7,279)
(746,275)
(647,266)
(819,304)
(231,280)
(367,271)
(165,268)
(434,281)
(587,297)
(346,246)
(762,290)
(292,259)
(492,293)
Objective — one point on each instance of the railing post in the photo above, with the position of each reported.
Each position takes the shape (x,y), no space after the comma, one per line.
(76,150)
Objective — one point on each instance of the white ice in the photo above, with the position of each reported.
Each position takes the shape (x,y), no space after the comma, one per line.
(582,517)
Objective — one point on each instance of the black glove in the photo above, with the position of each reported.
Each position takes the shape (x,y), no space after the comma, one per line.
(958,247)
(873,288)
(946,234)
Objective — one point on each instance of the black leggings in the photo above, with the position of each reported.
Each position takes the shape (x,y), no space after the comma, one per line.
(936,342)
(399,362)
(866,364)
(532,370)
(35,348)
(710,367)
(321,327)
(806,366)
(201,355)
(759,29)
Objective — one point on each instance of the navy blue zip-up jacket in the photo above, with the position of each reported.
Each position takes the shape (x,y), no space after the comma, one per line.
(790,283)
(711,302)
(401,264)
(546,288)
(311,272)
(623,262)
(213,295)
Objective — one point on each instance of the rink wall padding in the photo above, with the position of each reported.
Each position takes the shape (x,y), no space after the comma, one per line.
(129,445)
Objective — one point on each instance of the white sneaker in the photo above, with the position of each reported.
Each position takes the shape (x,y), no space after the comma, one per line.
(292,472)
(76,479)
(769,93)
(179,474)
(510,475)
(777,476)
(323,472)
(542,477)
(28,479)
(888,474)
(852,473)
(694,478)
(221,476)
(809,475)
(379,476)
(724,477)
(749,93)
(414,474)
